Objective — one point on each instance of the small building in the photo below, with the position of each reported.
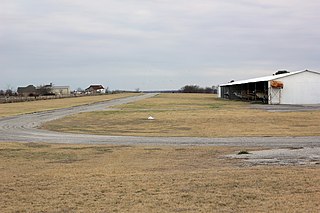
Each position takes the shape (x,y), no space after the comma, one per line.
(94,89)
(300,87)
(29,90)
(55,90)
(60,90)
(49,89)
(52,89)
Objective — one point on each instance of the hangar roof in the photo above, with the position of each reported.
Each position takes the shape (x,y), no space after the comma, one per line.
(266,78)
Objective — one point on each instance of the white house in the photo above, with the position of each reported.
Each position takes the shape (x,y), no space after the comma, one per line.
(60,90)
(94,89)
(300,87)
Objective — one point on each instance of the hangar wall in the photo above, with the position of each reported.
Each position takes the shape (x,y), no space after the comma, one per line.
(301,88)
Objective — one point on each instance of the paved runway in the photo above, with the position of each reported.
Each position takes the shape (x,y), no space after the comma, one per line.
(23,128)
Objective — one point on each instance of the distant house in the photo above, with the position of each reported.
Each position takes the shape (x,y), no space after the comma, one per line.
(93,89)
(49,89)
(27,91)
(57,90)
(60,90)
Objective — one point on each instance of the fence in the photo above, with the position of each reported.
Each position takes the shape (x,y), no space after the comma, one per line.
(15,99)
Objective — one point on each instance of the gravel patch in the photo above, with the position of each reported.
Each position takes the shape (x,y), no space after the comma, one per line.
(288,156)
(285,107)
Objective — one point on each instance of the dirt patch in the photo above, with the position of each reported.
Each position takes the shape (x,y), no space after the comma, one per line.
(289,156)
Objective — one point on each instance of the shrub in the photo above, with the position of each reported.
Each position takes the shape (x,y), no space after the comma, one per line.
(243,152)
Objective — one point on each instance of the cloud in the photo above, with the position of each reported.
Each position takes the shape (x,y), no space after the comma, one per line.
(141,39)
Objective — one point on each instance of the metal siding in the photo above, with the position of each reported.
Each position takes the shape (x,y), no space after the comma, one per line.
(219,92)
(269,96)
(303,88)
(266,78)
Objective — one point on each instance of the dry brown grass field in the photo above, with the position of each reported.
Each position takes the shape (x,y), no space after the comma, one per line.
(193,115)
(10,109)
(39,177)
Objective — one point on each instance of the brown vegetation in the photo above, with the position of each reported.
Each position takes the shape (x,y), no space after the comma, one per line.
(10,109)
(190,115)
(40,177)
(103,178)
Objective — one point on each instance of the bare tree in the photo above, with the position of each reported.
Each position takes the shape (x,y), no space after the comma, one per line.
(44,90)
(9,92)
(79,89)
(107,91)
(196,89)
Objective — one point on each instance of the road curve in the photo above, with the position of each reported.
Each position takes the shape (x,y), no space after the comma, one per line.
(23,128)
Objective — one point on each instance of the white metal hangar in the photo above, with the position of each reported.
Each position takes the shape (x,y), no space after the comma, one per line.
(300,87)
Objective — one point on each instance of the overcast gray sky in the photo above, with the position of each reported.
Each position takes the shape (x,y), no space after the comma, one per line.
(154,44)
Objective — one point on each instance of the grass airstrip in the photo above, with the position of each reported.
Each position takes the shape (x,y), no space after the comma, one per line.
(193,115)
(42,177)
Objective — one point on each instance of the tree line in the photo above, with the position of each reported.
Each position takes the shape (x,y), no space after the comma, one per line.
(185,89)
(8,92)
(198,89)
